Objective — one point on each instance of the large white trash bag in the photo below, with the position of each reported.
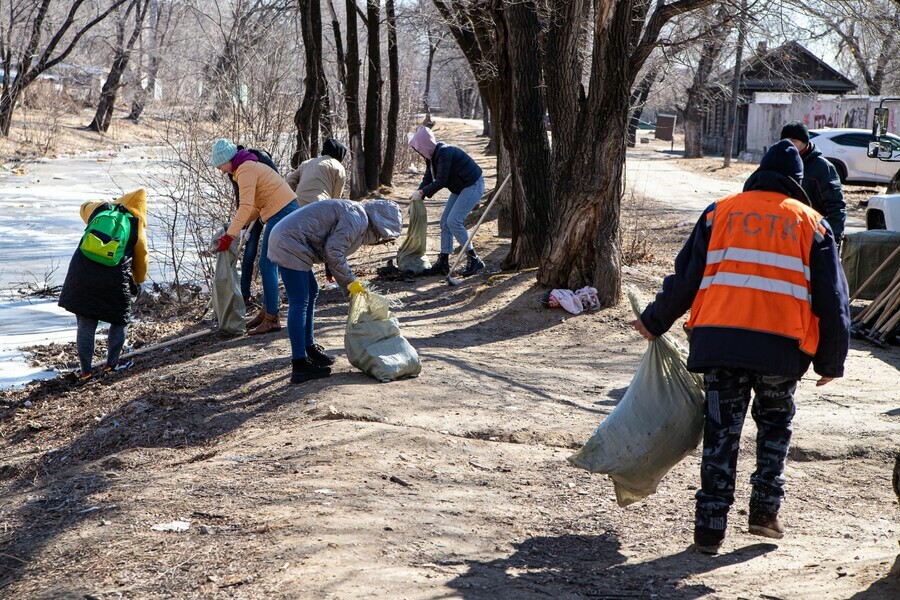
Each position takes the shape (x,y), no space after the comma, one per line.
(657,423)
(373,341)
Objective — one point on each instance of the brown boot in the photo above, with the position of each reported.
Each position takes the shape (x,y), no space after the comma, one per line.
(269,324)
(255,321)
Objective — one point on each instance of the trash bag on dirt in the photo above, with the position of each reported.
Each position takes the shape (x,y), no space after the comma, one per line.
(373,341)
(657,423)
(225,293)
(411,255)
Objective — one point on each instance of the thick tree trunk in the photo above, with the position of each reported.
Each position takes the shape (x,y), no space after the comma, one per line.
(149,91)
(103,115)
(485,117)
(589,160)
(306,119)
(105,106)
(8,99)
(521,120)
(390,145)
(372,133)
(351,96)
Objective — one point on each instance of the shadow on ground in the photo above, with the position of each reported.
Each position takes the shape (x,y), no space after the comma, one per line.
(582,566)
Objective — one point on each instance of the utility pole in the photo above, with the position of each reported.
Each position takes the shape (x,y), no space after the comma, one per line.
(736,83)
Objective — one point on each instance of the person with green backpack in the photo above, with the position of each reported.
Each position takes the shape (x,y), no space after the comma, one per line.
(110,262)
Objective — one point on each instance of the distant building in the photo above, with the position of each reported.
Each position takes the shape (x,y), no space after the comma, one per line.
(785,84)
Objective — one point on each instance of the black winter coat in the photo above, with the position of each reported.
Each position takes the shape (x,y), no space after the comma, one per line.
(451,168)
(99,292)
(822,184)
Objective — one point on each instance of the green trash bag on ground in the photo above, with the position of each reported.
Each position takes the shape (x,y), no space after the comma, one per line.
(657,423)
(373,341)
(225,292)
(411,255)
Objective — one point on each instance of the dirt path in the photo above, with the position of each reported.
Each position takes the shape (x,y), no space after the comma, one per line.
(452,485)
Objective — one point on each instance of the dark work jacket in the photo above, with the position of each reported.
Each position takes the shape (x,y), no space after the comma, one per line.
(755,351)
(822,184)
(449,168)
(263,157)
(99,292)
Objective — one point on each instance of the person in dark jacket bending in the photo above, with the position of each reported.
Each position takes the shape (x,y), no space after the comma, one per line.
(96,292)
(450,167)
(761,277)
(821,181)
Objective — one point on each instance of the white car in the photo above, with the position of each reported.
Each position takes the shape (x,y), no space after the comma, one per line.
(846,150)
(883,212)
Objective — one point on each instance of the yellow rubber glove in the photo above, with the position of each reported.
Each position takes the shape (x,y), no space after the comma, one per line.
(356,288)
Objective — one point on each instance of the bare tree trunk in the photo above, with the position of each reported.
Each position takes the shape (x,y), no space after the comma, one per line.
(148,92)
(338,44)
(105,106)
(306,119)
(390,146)
(522,122)
(638,98)
(735,85)
(351,94)
(697,103)
(372,132)
(433,43)
(588,155)
(27,69)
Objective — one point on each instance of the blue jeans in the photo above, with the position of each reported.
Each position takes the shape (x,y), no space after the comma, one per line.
(727,398)
(302,290)
(248,261)
(268,270)
(455,212)
(84,342)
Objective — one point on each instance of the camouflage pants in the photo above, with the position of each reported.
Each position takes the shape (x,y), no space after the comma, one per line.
(727,398)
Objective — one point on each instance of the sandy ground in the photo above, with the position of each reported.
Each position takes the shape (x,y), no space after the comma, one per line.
(451,485)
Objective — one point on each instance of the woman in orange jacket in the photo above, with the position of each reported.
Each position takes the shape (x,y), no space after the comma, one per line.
(266,196)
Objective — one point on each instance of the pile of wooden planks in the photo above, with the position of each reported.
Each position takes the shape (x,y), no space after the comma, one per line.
(879,322)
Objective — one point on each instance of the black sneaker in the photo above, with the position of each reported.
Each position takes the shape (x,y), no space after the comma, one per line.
(708,541)
(316,353)
(303,369)
(473,265)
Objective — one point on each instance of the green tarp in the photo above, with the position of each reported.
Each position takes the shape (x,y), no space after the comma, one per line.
(861,255)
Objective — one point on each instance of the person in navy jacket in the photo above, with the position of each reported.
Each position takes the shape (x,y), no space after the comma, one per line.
(761,276)
(450,167)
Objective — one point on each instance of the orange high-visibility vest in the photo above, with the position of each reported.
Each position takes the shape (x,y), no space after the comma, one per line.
(757,267)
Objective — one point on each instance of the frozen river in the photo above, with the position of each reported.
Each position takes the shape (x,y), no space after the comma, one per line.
(40,227)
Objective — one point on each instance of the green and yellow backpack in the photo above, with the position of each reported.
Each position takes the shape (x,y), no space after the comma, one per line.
(106,236)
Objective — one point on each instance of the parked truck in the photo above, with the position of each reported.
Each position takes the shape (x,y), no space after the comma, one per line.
(883,210)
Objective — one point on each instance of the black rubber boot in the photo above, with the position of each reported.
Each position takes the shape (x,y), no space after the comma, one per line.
(473,264)
(303,369)
(316,353)
(441,267)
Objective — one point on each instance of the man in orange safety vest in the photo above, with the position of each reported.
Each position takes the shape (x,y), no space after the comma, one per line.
(761,276)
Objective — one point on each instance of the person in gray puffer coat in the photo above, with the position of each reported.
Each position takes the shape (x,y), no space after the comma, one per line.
(323,232)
